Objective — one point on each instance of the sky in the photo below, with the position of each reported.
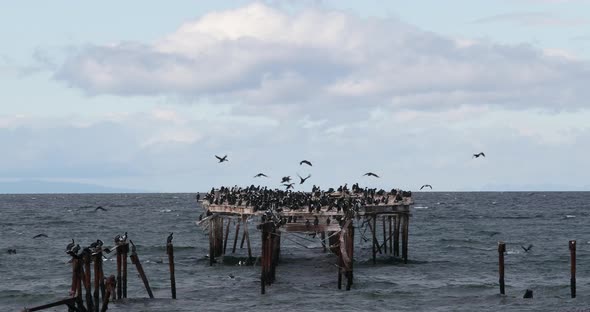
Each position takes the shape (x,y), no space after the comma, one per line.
(141,95)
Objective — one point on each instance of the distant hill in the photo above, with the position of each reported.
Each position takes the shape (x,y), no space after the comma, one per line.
(40,187)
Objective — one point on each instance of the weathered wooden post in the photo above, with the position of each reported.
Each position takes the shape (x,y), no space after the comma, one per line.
(119,275)
(236,236)
(247,235)
(211,242)
(263,263)
(135,260)
(373,231)
(226,235)
(86,259)
(501,251)
(170,252)
(396,231)
(124,252)
(572,245)
(110,286)
(384,237)
(390,235)
(97,277)
(405,237)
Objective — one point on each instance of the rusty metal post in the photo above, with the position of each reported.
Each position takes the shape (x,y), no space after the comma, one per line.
(501,251)
(135,260)
(170,252)
(572,246)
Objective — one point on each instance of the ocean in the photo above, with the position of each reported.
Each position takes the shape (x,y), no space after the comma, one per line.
(453,257)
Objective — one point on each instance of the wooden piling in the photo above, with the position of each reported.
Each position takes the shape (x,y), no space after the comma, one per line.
(247,235)
(69,302)
(501,251)
(236,236)
(119,275)
(211,243)
(219,237)
(81,277)
(405,237)
(572,246)
(390,237)
(396,231)
(170,252)
(110,286)
(384,237)
(263,258)
(97,277)
(124,252)
(87,284)
(323,237)
(135,260)
(226,235)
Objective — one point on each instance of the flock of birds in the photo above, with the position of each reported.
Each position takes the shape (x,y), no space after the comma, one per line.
(78,252)
(286,180)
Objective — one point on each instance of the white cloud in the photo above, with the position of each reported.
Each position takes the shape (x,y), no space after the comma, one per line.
(270,62)
(536,19)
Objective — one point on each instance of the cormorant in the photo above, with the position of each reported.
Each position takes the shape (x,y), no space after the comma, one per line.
(307,162)
(303,179)
(221,159)
(527,249)
(370,174)
(286,179)
(479,154)
(100,208)
(289,186)
(169,239)
(261,175)
(426,185)
(70,245)
(40,235)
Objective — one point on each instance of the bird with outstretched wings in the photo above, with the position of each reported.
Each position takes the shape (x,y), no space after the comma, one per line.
(370,174)
(222,159)
(426,185)
(478,154)
(307,162)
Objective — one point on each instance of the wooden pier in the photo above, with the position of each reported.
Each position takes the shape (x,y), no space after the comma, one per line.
(392,215)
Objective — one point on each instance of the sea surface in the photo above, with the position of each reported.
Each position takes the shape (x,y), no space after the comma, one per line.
(452,250)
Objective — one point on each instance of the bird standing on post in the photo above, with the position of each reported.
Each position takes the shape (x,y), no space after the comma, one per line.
(169,239)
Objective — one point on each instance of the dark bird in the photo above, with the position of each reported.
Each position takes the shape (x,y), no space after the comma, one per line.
(478,154)
(100,208)
(289,186)
(426,185)
(527,249)
(370,174)
(261,175)
(528,294)
(124,237)
(303,179)
(169,239)
(221,159)
(307,162)
(286,179)
(40,235)
(70,245)
(11,251)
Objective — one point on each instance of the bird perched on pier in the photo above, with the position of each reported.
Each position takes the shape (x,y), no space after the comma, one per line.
(261,175)
(303,179)
(124,237)
(370,174)
(70,245)
(527,249)
(478,154)
(74,251)
(286,179)
(426,185)
(169,239)
(307,162)
(222,159)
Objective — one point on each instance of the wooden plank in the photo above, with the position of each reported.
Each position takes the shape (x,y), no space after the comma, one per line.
(301,227)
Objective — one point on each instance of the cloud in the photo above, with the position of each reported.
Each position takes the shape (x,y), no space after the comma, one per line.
(535,19)
(266,61)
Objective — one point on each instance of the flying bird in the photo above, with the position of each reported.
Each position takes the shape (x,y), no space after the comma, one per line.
(370,174)
(478,154)
(426,185)
(289,186)
(286,179)
(40,235)
(527,249)
(221,159)
(100,208)
(261,175)
(303,179)
(307,162)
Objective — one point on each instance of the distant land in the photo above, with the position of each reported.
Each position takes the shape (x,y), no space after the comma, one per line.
(41,187)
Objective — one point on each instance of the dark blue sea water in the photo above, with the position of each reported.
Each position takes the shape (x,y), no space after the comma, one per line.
(453,256)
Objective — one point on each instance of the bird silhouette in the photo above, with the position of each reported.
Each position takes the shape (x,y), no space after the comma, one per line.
(100,208)
(40,235)
(478,154)
(289,186)
(303,179)
(370,174)
(527,249)
(221,159)
(70,245)
(426,185)
(261,175)
(307,162)
(169,239)
(286,179)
